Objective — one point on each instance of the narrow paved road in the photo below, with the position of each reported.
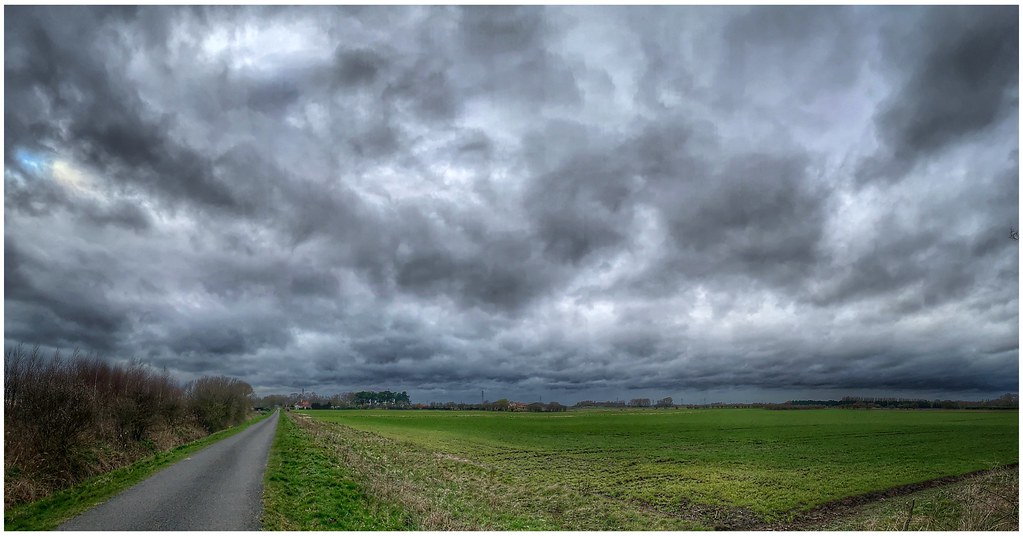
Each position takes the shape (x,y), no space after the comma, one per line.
(217,488)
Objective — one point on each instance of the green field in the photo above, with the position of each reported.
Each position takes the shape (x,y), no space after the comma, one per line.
(664,469)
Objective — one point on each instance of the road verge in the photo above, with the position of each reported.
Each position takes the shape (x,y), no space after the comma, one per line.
(49,512)
(305,488)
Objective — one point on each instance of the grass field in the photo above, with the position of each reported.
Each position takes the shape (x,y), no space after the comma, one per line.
(648,469)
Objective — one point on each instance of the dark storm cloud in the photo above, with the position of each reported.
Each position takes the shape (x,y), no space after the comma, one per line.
(272,95)
(761,217)
(123,213)
(48,306)
(581,205)
(358,67)
(84,108)
(508,54)
(211,339)
(962,79)
(484,268)
(757,215)
(525,200)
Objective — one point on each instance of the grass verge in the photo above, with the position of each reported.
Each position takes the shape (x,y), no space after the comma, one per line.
(47,513)
(307,489)
(985,502)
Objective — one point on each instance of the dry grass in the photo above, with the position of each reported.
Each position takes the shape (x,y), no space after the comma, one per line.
(308,489)
(985,502)
(391,481)
(443,492)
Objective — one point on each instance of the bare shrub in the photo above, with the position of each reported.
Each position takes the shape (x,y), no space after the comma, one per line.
(218,401)
(69,418)
(47,409)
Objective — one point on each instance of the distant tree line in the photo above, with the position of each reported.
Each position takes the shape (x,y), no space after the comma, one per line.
(1006,401)
(396,400)
(666,402)
(595,404)
(498,405)
(401,400)
(68,418)
(385,399)
(348,400)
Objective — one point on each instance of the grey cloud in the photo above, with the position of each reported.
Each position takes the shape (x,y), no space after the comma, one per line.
(37,197)
(209,339)
(501,274)
(121,213)
(929,263)
(581,196)
(395,346)
(579,208)
(51,308)
(795,42)
(507,48)
(760,217)
(360,66)
(273,95)
(34,198)
(964,81)
(494,31)
(307,282)
(108,125)
(583,201)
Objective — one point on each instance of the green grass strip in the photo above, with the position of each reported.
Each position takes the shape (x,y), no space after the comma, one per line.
(48,512)
(305,488)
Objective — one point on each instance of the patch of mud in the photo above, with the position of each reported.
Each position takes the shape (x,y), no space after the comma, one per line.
(718,517)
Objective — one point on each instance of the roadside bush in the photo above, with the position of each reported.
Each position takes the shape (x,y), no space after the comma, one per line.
(218,401)
(47,410)
(69,418)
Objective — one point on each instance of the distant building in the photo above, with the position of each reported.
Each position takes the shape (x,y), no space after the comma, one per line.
(303,405)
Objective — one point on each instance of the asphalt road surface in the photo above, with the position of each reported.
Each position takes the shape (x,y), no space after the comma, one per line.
(217,488)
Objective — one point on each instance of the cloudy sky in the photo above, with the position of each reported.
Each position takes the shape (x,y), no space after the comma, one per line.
(566,203)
